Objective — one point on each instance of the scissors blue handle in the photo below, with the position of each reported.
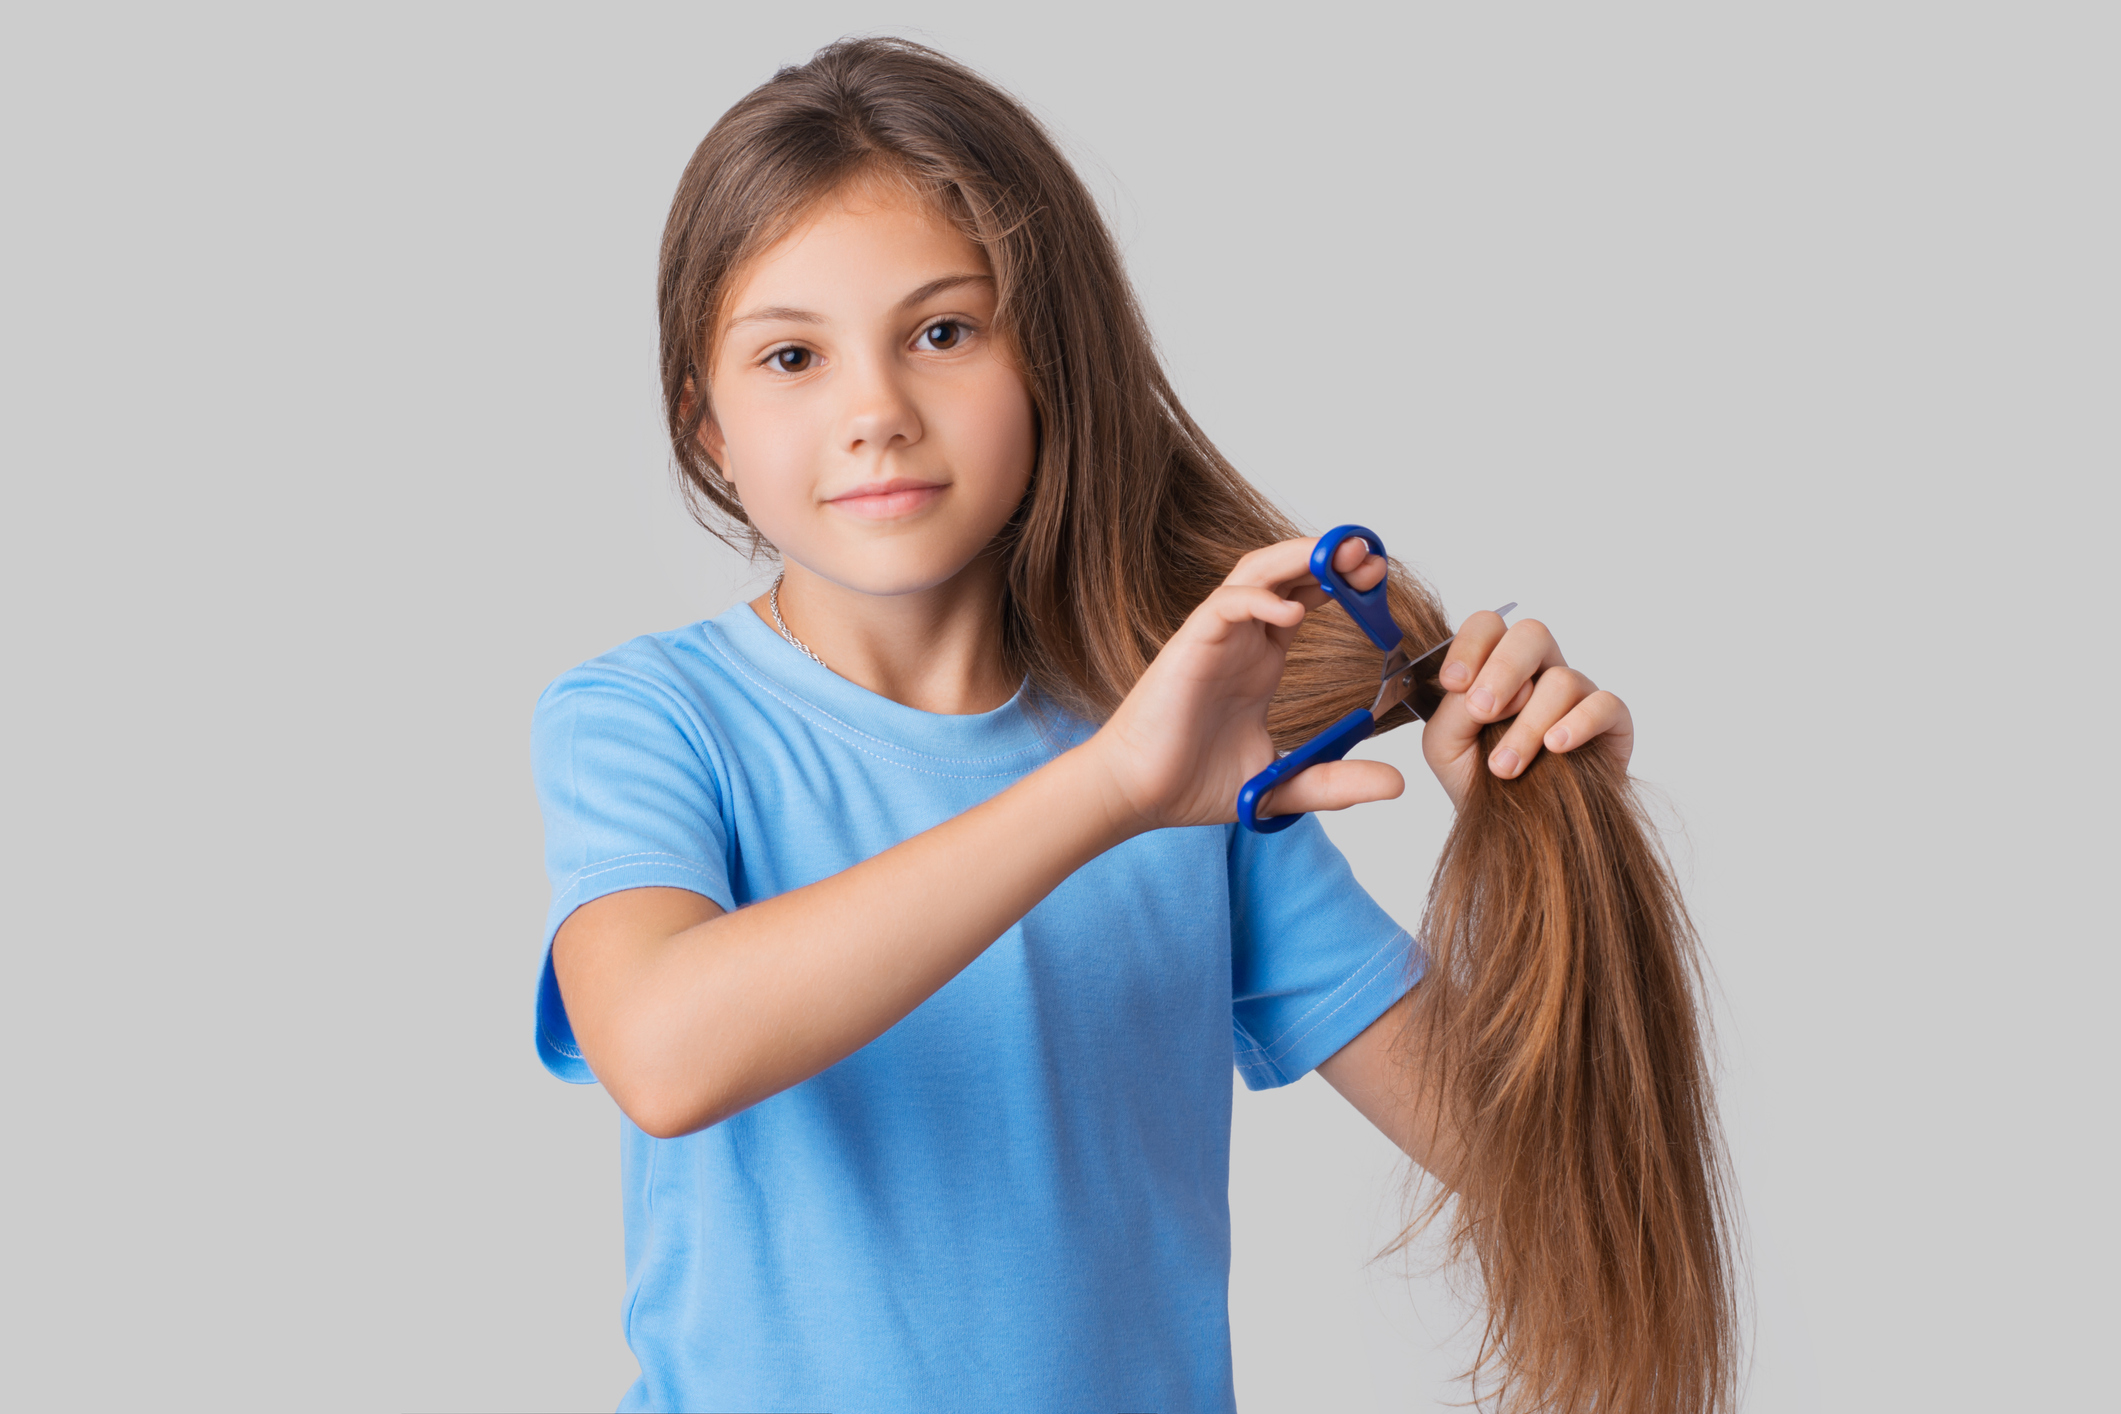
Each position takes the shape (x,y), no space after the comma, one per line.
(1370,608)
(1331,744)
(1372,611)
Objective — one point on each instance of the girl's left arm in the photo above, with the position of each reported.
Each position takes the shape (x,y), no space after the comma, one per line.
(1373,1073)
(1493,671)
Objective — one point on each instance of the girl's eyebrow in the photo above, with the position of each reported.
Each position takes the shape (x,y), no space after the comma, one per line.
(937,286)
(781,313)
(777,314)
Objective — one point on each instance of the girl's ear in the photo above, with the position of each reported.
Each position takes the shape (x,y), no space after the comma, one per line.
(710,434)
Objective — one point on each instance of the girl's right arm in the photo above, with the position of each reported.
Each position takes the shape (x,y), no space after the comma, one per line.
(688,1014)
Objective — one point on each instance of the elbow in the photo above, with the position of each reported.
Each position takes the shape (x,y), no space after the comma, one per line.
(662,1123)
(665,1096)
(662,1110)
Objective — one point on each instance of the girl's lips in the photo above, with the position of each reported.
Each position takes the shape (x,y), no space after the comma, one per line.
(887,499)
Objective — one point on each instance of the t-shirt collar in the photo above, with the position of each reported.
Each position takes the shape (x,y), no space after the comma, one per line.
(1013,729)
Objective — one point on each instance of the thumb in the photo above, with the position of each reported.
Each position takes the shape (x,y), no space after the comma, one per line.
(1450,734)
(1334,785)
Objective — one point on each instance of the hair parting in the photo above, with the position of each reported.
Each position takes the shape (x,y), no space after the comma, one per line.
(1559,1018)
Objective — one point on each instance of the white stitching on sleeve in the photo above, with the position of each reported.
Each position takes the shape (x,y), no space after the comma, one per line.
(584,875)
(561,889)
(1271,1042)
(1287,1050)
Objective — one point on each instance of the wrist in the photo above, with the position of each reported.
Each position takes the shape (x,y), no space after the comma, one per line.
(1094,779)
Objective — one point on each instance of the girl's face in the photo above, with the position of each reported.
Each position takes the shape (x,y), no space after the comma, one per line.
(872,422)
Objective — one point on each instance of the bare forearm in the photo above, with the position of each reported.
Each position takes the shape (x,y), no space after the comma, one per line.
(700,1025)
(1395,1090)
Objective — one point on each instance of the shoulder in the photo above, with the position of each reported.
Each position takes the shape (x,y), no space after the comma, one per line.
(671,695)
(679,671)
(652,663)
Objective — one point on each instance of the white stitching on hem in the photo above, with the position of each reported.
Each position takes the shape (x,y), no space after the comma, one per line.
(1274,1066)
(1291,1048)
(1271,1042)
(560,889)
(1261,1058)
(583,875)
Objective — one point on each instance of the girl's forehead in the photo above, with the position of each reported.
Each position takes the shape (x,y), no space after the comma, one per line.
(869,224)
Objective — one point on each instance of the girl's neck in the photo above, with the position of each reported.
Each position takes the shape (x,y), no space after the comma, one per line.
(936,650)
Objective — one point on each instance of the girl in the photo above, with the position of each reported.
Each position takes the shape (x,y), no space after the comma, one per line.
(902,911)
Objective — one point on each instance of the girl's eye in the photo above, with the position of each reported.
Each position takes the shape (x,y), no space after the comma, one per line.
(791,360)
(943,334)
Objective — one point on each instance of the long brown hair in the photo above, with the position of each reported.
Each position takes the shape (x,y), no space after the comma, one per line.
(1559,1015)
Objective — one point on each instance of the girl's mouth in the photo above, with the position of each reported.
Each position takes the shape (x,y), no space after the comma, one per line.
(887,500)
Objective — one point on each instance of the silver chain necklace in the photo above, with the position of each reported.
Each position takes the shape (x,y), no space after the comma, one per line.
(773,602)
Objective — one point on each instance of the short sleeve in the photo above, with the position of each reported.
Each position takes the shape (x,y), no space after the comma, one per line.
(631,799)
(1313,959)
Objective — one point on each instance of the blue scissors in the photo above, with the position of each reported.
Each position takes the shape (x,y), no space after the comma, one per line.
(1411,679)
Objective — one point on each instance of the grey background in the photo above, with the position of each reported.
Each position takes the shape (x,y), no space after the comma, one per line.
(1767,354)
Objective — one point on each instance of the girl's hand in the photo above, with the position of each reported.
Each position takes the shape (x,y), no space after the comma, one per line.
(1492,672)
(1194,729)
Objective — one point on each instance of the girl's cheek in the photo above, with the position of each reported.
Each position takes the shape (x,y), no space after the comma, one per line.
(1007,432)
(770,456)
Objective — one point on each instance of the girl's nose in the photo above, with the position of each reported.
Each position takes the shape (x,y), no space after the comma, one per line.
(879,414)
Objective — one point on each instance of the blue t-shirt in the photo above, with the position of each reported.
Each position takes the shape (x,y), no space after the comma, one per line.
(1017,1198)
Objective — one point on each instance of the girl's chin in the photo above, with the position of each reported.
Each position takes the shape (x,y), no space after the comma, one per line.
(889,567)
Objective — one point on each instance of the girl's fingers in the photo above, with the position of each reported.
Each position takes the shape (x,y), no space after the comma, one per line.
(1477,638)
(1492,673)
(1333,785)
(1272,566)
(1557,693)
(1286,567)
(1521,655)
(1241,604)
(1355,564)
(1601,717)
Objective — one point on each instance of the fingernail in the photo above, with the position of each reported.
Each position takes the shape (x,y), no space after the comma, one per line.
(1504,761)
(1481,701)
(1558,739)
(1455,676)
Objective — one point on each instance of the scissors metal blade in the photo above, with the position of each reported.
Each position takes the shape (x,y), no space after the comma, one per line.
(1400,679)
